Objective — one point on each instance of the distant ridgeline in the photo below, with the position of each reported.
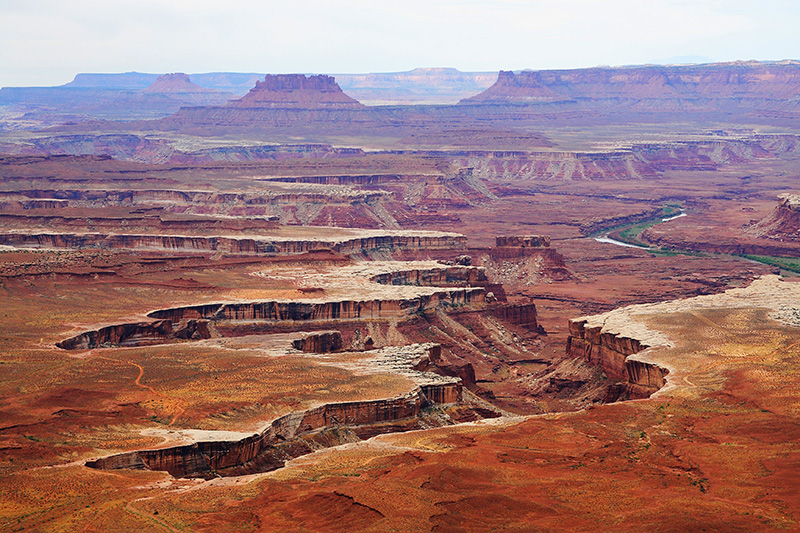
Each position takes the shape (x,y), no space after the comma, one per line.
(765,89)
(734,93)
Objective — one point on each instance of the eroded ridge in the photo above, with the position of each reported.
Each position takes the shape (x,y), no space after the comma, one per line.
(300,433)
(643,359)
(392,294)
(348,242)
(612,352)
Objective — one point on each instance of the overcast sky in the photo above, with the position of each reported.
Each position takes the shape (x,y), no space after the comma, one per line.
(46,42)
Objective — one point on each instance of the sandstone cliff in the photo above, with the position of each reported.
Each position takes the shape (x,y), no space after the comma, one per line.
(297,91)
(693,85)
(413,240)
(207,320)
(319,342)
(783,223)
(323,310)
(299,433)
(612,352)
(446,276)
(139,334)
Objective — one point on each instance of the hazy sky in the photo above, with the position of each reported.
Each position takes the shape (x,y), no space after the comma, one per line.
(46,42)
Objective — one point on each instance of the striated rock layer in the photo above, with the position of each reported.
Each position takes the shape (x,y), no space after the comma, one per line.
(140,334)
(302,432)
(297,91)
(323,310)
(248,245)
(744,83)
(319,342)
(611,351)
(198,321)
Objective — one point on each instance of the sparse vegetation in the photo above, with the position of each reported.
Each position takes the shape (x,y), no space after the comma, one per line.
(792,264)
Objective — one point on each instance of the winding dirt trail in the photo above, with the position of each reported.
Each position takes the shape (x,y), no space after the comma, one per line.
(138,382)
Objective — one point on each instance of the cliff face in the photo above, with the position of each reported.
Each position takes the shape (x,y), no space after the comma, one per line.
(296,91)
(139,148)
(246,245)
(611,353)
(139,334)
(302,432)
(523,315)
(270,449)
(301,311)
(781,224)
(744,81)
(198,322)
(726,245)
(639,161)
(319,342)
(439,277)
(524,241)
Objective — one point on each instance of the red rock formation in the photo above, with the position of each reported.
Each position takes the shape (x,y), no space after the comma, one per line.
(270,449)
(128,147)
(299,433)
(139,334)
(514,248)
(333,310)
(177,82)
(781,224)
(246,245)
(753,81)
(192,322)
(714,243)
(296,91)
(443,393)
(522,315)
(610,352)
(141,222)
(319,342)
(526,241)
(450,276)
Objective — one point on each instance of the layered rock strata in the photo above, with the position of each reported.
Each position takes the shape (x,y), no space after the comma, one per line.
(523,241)
(520,314)
(517,246)
(273,194)
(140,334)
(297,91)
(643,358)
(674,87)
(324,310)
(611,352)
(220,319)
(523,256)
(302,432)
(435,277)
(371,240)
(319,342)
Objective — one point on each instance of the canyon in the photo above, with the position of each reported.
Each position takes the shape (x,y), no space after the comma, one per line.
(299,433)
(556,300)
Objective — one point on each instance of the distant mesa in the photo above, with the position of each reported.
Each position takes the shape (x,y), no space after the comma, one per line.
(297,91)
(701,83)
(175,88)
(174,83)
